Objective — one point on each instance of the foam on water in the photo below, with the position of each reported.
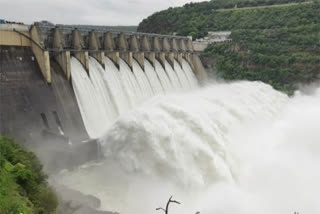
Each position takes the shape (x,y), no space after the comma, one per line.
(227,148)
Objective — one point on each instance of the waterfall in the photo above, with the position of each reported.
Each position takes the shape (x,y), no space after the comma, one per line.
(227,148)
(163,77)
(175,81)
(142,80)
(97,76)
(112,79)
(106,94)
(189,74)
(91,104)
(181,76)
(153,78)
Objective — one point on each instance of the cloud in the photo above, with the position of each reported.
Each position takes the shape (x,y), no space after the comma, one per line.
(94,12)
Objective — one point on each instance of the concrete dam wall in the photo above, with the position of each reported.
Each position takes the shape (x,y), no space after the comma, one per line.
(62,86)
(30,105)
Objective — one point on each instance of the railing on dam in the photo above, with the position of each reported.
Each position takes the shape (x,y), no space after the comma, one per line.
(60,42)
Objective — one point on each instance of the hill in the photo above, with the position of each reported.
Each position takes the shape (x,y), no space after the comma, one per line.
(284,58)
(196,19)
(277,42)
(23,186)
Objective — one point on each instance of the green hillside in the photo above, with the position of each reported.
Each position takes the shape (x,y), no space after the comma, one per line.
(283,58)
(277,42)
(23,186)
(196,19)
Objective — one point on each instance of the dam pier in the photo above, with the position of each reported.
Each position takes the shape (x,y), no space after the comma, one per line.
(61,42)
(45,97)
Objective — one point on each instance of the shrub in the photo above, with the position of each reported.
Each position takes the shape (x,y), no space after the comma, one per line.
(23,186)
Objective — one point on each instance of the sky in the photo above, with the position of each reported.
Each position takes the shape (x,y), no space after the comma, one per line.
(94,12)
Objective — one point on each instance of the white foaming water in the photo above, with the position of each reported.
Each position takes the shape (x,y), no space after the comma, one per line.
(97,76)
(164,79)
(229,148)
(90,101)
(153,78)
(116,91)
(142,80)
(112,79)
(181,76)
(172,76)
(131,86)
(190,75)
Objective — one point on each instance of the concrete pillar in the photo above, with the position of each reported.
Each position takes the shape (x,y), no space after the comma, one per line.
(179,57)
(41,55)
(144,44)
(166,45)
(161,57)
(94,43)
(123,48)
(99,56)
(94,46)
(133,44)
(166,48)
(174,45)
(170,58)
(189,45)
(61,57)
(198,69)
(145,47)
(58,39)
(83,58)
(77,40)
(156,46)
(114,56)
(78,45)
(109,48)
(127,57)
(175,49)
(108,42)
(182,45)
(122,42)
(139,57)
(134,47)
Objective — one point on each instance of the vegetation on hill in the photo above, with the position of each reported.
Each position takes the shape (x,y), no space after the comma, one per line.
(196,19)
(278,44)
(23,186)
(283,58)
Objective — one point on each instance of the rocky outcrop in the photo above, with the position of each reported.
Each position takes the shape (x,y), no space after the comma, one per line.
(75,202)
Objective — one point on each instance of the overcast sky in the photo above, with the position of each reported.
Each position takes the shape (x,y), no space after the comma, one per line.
(95,12)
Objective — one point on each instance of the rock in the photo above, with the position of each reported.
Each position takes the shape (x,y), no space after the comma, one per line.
(75,202)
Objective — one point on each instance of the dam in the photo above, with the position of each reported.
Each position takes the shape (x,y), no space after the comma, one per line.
(132,103)
(61,84)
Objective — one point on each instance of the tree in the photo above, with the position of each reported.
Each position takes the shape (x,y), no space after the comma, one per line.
(166,211)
